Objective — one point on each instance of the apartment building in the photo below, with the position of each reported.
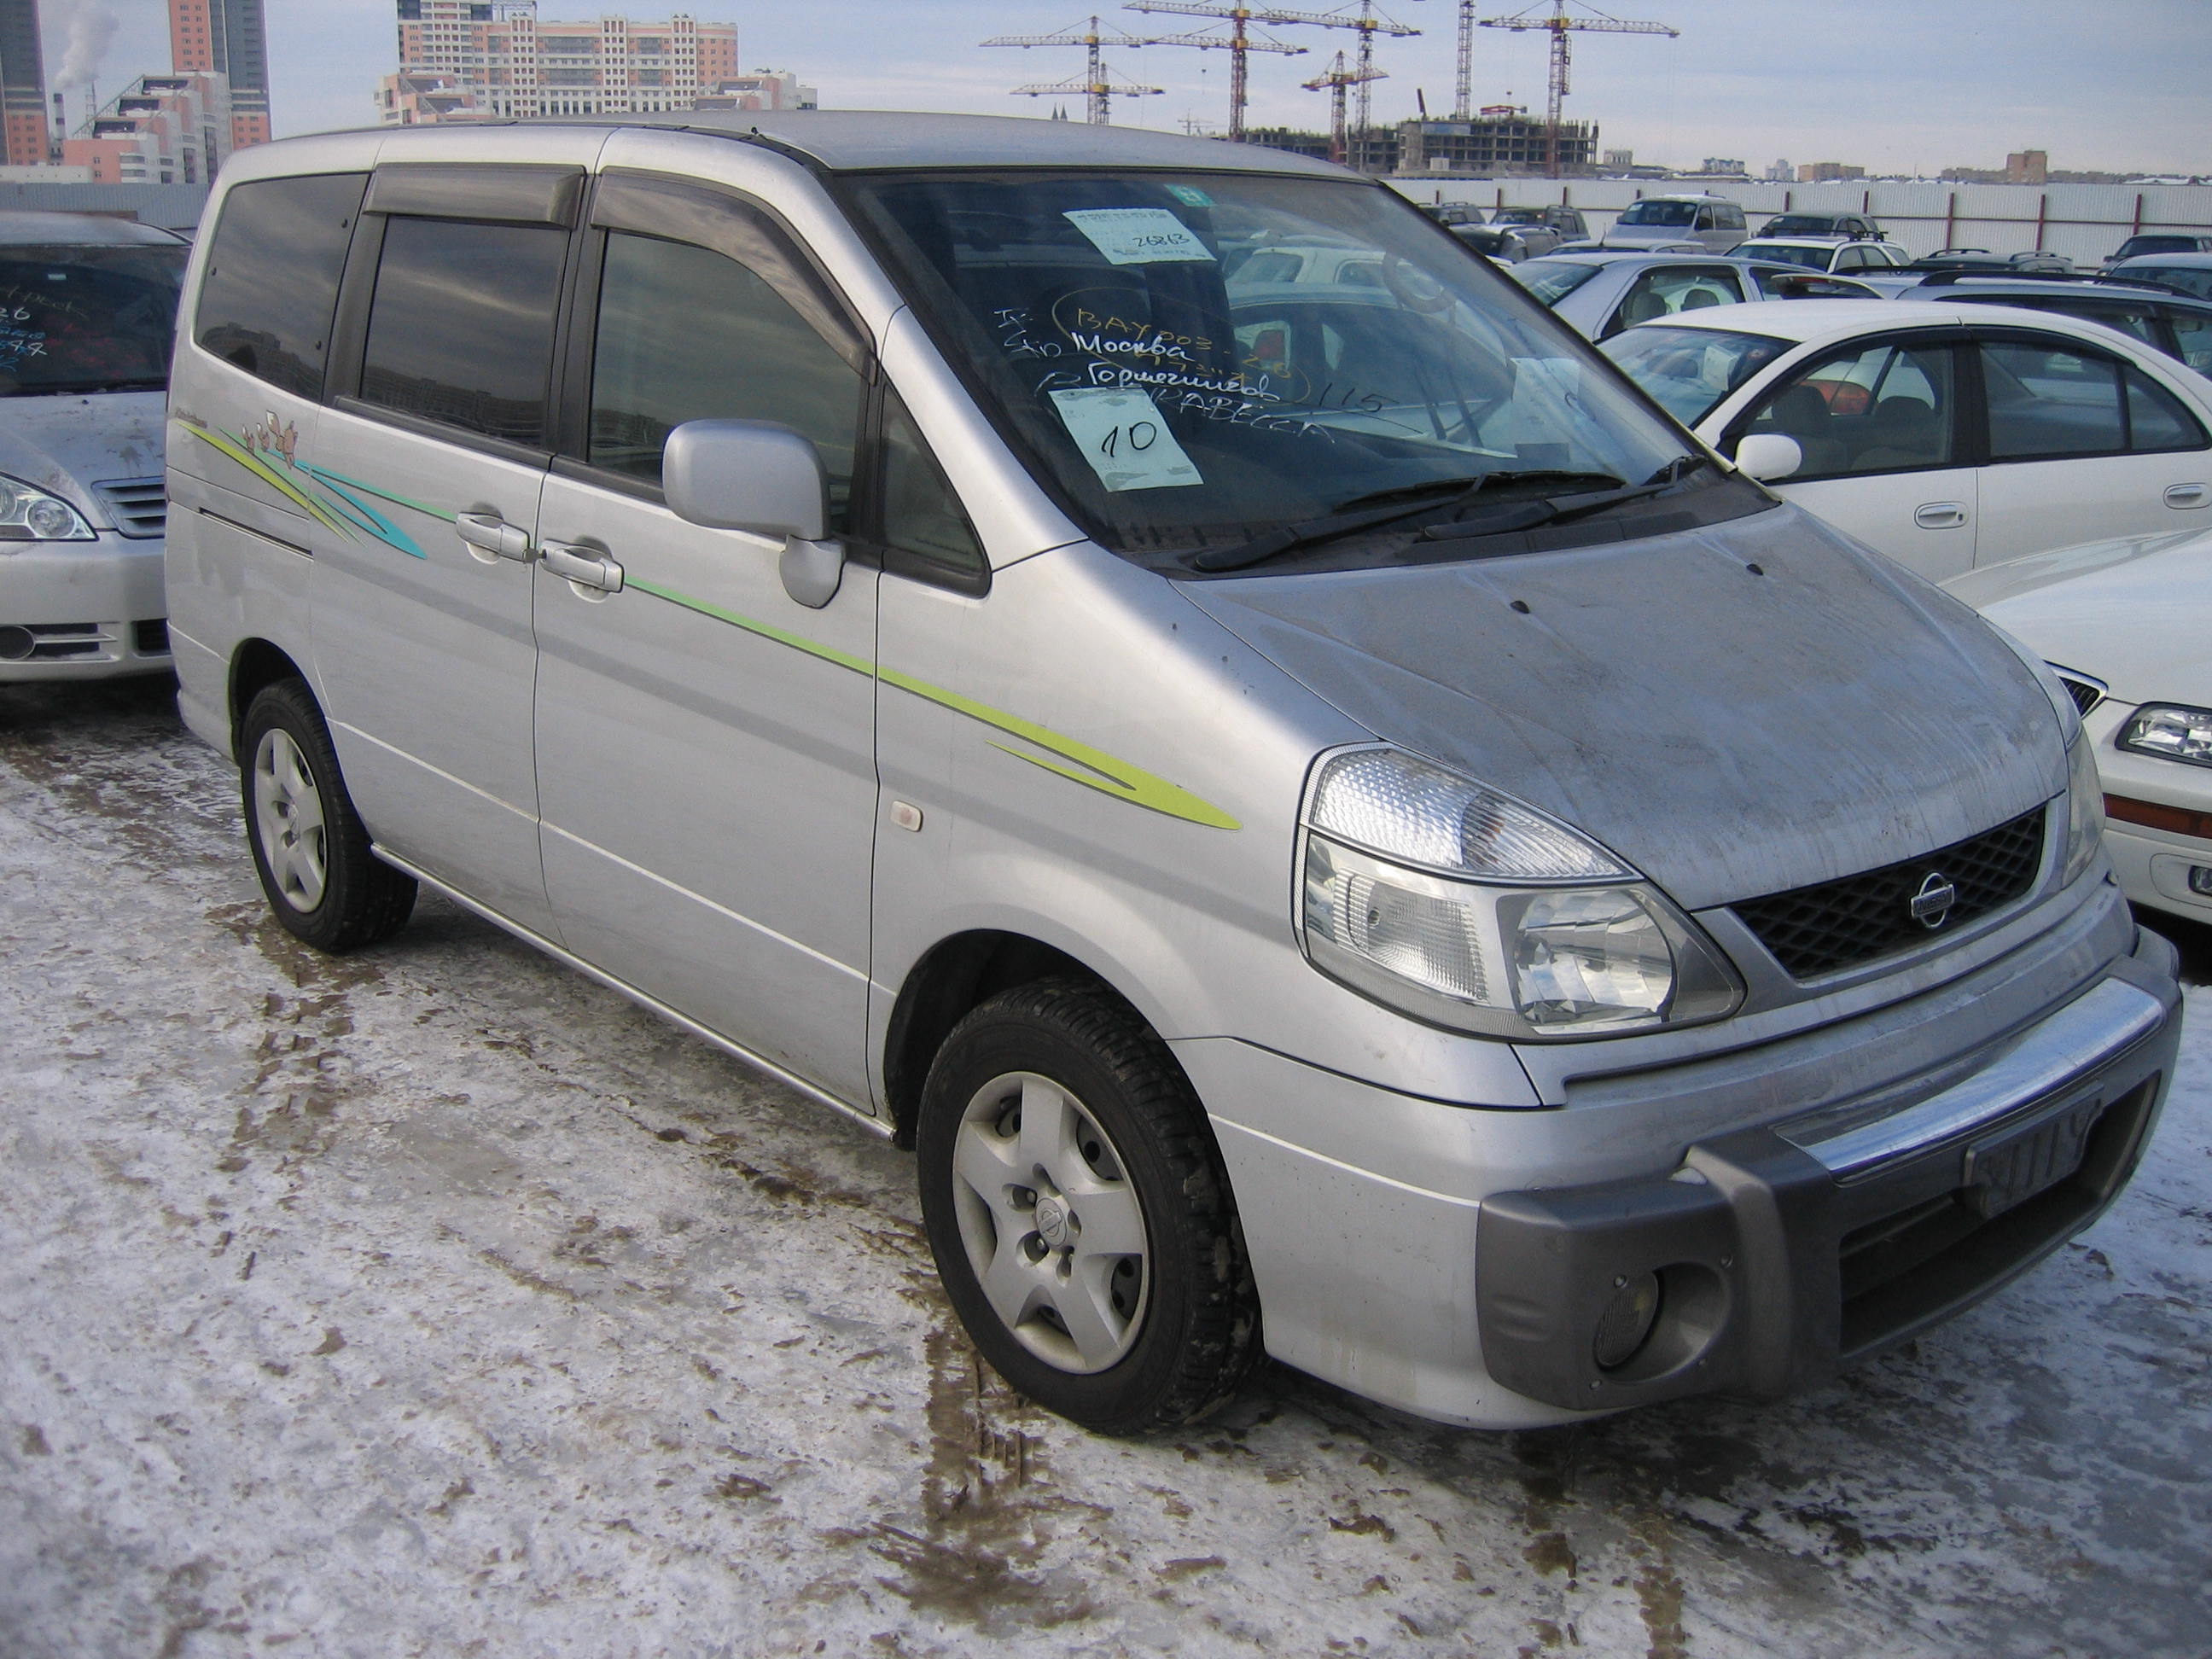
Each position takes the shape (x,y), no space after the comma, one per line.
(227,38)
(161,129)
(507,61)
(23,133)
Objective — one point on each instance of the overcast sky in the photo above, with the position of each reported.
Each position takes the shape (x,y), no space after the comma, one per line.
(1894,85)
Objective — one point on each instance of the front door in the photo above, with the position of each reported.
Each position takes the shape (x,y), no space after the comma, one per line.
(1878,425)
(2083,446)
(706,745)
(423,591)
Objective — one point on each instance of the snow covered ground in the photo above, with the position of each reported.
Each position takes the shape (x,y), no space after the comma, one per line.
(434,1302)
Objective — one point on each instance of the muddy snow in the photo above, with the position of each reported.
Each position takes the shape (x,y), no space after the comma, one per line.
(436,1302)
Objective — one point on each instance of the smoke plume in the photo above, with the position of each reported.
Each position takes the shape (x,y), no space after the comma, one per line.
(90,30)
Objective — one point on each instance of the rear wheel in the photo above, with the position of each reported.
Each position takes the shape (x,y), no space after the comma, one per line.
(1079,1212)
(322,881)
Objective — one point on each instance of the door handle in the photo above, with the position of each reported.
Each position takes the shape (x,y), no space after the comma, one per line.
(2188,495)
(488,533)
(587,567)
(1939,515)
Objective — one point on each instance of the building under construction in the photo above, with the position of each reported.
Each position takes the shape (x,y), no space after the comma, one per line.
(1487,146)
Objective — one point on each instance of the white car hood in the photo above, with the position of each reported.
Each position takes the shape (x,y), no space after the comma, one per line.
(2135,612)
(65,444)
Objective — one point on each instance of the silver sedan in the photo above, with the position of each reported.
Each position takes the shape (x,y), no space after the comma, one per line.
(1600,294)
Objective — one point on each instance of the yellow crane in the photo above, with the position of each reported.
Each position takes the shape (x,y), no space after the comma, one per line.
(1559,23)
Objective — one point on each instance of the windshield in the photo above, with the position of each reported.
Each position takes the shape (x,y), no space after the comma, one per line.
(1812,258)
(2136,246)
(1659,213)
(1688,371)
(87,318)
(1185,389)
(1551,280)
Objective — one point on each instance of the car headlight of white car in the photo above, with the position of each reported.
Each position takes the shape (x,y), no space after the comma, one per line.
(1466,908)
(2171,731)
(28,513)
(2085,809)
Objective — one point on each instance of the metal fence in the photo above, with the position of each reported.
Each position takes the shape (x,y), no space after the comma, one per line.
(2085,223)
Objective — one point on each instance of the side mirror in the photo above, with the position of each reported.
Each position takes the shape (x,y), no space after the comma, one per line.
(746,474)
(758,476)
(1768,456)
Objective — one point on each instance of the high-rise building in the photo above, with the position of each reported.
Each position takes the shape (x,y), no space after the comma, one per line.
(226,38)
(510,63)
(22,85)
(161,129)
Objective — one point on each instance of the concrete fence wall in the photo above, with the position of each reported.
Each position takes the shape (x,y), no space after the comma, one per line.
(2085,223)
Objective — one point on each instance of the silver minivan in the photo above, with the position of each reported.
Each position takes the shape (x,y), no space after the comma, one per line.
(1332,826)
(1712,222)
(87,307)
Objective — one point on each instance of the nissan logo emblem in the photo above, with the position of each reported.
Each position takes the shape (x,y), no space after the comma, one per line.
(1932,905)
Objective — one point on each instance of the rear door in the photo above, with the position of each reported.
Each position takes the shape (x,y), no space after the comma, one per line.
(1884,434)
(432,452)
(706,743)
(2082,446)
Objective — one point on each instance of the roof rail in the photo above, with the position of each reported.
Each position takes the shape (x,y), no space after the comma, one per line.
(1946,278)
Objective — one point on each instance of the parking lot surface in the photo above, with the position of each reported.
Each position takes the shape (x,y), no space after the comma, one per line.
(435,1301)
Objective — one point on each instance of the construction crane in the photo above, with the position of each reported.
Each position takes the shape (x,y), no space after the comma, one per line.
(1100,85)
(1559,22)
(1370,23)
(1341,77)
(1238,43)
(1463,90)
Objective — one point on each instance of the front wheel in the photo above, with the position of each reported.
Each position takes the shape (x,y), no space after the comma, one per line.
(1079,1211)
(322,881)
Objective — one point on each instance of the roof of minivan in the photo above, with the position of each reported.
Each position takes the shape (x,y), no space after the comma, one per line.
(854,141)
(1806,321)
(26,229)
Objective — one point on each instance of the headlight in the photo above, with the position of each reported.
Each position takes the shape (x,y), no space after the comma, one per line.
(2085,810)
(1468,908)
(30,514)
(2171,732)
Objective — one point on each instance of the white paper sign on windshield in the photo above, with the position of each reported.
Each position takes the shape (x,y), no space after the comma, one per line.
(1139,236)
(1122,436)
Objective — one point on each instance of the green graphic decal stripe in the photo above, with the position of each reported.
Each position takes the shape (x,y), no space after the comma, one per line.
(1105,773)
(268,475)
(383,495)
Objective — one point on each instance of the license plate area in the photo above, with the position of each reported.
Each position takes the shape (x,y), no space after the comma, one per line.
(2006,1168)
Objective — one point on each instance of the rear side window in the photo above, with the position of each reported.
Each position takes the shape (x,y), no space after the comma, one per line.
(2192,338)
(2046,402)
(272,277)
(461,327)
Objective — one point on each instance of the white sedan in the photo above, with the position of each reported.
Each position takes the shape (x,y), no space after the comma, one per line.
(2125,623)
(1948,437)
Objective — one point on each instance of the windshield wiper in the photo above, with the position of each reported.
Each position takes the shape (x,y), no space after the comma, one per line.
(1313,532)
(1557,509)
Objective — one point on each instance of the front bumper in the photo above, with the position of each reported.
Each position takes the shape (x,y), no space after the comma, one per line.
(1458,1264)
(82,610)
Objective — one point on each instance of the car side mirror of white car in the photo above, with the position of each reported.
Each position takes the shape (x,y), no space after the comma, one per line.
(764,478)
(1768,456)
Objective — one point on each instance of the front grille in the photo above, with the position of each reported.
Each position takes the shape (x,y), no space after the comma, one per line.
(150,639)
(138,507)
(1860,919)
(2086,692)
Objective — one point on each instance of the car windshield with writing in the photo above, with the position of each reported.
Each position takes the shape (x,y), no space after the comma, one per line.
(95,319)
(1184,386)
(1687,371)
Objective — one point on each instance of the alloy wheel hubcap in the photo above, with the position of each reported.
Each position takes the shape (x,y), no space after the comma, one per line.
(1051,1225)
(288,817)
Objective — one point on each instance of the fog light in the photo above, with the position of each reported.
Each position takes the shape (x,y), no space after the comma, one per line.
(1626,1320)
(15,643)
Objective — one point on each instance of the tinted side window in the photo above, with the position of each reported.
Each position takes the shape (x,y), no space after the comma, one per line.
(2046,401)
(2192,338)
(1882,409)
(2156,419)
(461,327)
(272,277)
(685,334)
(921,515)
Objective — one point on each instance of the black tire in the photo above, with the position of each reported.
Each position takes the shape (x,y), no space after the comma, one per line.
(1190,1316)
(359,899)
